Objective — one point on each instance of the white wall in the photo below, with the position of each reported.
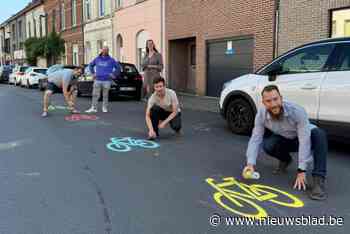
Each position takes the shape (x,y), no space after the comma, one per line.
(35,14)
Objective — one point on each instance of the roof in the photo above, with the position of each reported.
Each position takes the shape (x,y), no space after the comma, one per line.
(29,7)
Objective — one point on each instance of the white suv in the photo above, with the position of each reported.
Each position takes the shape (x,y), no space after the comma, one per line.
(315,75)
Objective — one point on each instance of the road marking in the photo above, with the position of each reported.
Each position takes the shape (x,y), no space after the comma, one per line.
(29,174)
(13,144)
(244,200)
(126,144)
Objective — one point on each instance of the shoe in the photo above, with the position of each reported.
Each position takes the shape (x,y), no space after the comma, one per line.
(282,167)
(179,133)
(74,111)
(318,191)
(91,110)
(44,114)
(104,110)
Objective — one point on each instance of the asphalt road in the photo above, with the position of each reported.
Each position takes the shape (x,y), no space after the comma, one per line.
(58,176)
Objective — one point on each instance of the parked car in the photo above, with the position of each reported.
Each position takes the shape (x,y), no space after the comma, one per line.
(32,76)
(5,73)
(315,75)
(18,73)
(42,81)
(129,82)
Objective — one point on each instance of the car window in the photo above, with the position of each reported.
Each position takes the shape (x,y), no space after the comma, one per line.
(129,69)
(23,69)
(310,59)
(41,71)
(343,58)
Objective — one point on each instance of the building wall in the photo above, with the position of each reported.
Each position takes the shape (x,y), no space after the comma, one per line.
(72,34)
(34,16)
(303,21)
(133,18)
(207,20)
(95,31)
(98,28)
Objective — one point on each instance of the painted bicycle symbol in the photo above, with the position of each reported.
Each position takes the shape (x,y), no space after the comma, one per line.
(79,117)
(125,144)
(243,202)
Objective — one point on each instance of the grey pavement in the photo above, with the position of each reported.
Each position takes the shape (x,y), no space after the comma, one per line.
(58,176)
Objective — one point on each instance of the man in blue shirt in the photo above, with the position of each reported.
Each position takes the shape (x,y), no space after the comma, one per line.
(103,68)
(283,127)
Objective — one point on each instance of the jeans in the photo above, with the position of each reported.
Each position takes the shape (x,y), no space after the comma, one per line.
(280,148)
(98,85)
(158,113)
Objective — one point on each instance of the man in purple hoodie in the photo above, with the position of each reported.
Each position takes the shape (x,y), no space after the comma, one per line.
(103,68)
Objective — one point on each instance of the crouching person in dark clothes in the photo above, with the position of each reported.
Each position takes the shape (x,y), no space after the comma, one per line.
(162,108)
(283,127)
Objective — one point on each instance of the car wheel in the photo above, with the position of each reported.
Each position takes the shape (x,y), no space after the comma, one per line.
(28,85)
(240,116)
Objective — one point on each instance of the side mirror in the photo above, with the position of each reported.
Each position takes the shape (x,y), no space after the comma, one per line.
(275,70)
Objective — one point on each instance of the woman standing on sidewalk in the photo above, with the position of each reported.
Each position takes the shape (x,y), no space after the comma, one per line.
(152,66)
(102,68)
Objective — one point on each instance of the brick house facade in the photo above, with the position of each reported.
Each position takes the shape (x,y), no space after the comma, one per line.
(303,21)
(194,24)
(71,29)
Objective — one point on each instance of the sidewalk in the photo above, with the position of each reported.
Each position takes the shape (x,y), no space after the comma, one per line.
(195,102)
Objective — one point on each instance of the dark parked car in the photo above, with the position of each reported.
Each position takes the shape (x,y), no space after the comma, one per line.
(6,71)
(42,83)
(128,83)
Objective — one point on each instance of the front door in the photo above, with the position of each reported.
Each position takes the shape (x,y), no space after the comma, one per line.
(191,81)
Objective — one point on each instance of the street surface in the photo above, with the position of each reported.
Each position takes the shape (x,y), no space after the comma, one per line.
(58,176)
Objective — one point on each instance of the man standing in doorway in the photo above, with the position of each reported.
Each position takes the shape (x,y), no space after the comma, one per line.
(103,69)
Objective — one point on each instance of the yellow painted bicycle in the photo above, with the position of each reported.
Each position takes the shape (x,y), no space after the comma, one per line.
(241,201)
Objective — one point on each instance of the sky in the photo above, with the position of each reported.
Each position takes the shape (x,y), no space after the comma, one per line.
(10,7)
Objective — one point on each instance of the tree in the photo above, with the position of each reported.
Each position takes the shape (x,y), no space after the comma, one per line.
(54,47)
(50,47)
(34,48)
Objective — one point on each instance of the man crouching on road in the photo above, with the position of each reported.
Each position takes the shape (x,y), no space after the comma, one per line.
(65,79)
(283,127)
(163,108)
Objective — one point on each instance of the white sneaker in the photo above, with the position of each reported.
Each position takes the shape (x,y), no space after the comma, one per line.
(91,110)
(104,109)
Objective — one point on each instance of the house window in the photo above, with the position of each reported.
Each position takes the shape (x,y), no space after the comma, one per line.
(119,48)
(74,12)
(87,52)
(141,39)
(63,17)
(100,44)
(340,23)
(34,25)
(102,6)
(87,9)
(53,20)
(29,30)
(75,54)
(20,29)
(347,28)
(118,4)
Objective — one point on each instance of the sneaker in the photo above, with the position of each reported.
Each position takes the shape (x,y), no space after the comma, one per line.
(282,167)
(104,109)
(318,191)
(44,114)
(74,111)
(91,110)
